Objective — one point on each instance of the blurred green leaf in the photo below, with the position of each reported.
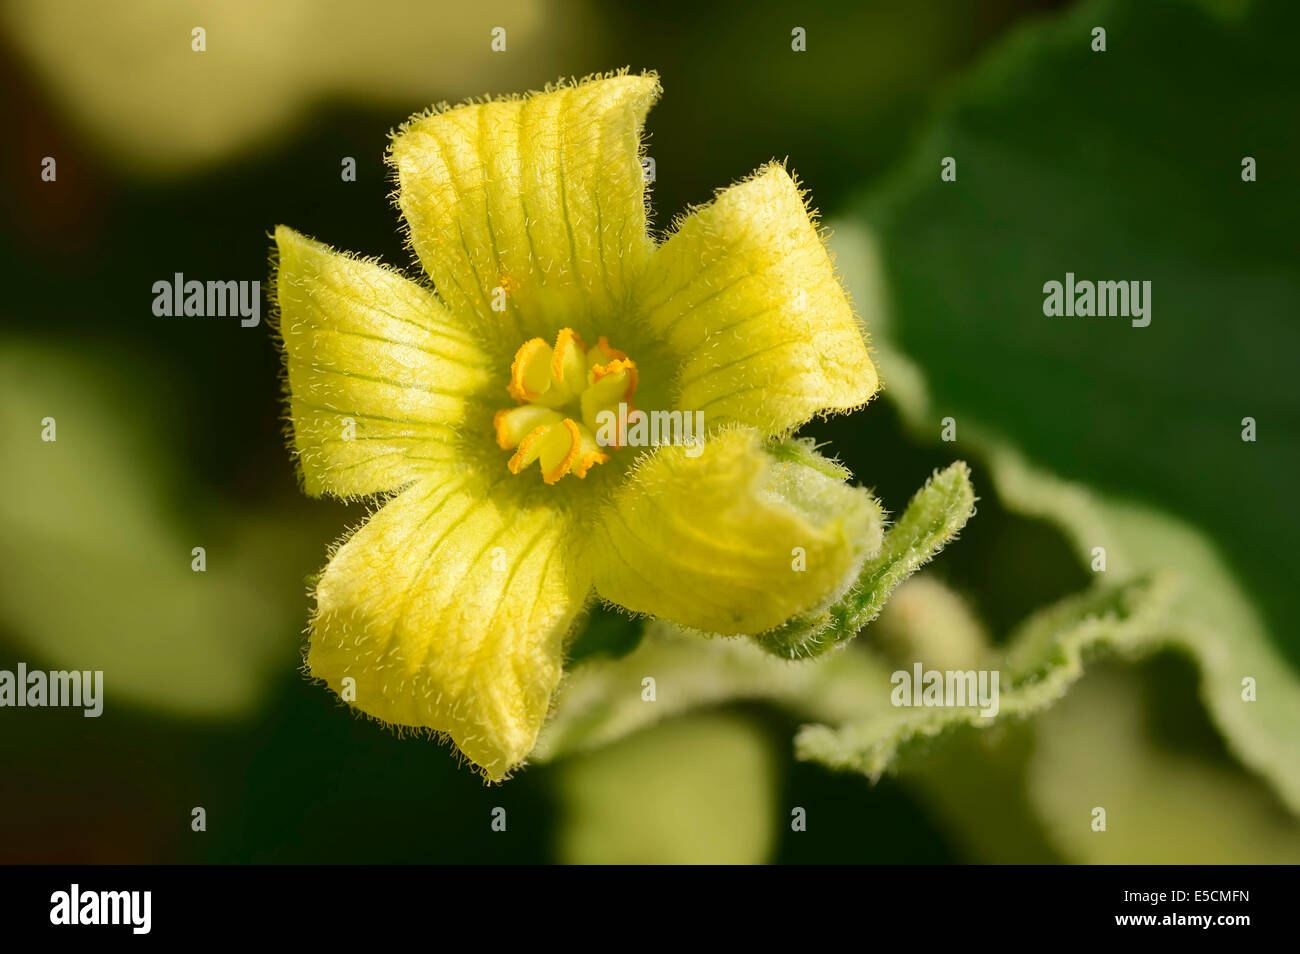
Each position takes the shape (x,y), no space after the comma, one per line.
(1075,161)
(605,633)
(97,566)
(1162,806)
(139,89)
(608,699)
(928,621)
(974,783)
(845,695)
(1043,659)
(700,790)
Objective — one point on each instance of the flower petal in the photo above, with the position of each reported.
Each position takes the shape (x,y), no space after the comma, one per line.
(540,200)
(449,609)
(379,374)
(745,292)
(732,540)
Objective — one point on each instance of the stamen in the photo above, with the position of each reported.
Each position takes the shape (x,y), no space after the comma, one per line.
(545,380)
(553,470)
(529,379)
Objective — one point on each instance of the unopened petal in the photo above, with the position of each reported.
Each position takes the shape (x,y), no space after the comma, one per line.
(727,539)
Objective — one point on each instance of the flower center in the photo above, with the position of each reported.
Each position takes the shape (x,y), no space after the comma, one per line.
(566,394)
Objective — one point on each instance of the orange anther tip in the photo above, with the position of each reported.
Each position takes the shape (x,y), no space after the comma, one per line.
(516,463)
(503,438)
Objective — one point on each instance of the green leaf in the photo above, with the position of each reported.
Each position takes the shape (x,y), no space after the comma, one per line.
(846,695)
(303,53)
(1095,750)
(716,806)
(974,783)
(1044,657)
(605,633)
(933,517)
(607,699)
(97,549)
(1075,161)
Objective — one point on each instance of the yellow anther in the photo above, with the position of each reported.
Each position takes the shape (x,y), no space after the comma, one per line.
(529,449)
(553,469)
(529,373)
(513,424)
(546,380)
(569,362)
(589,454)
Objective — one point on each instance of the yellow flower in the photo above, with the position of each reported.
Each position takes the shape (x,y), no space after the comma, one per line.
(556,314)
